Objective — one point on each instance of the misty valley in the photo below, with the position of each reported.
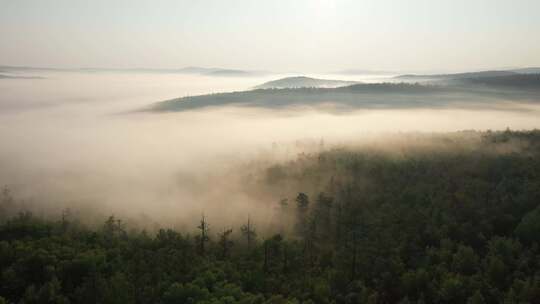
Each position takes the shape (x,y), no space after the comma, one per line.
(203,185)
(270,152)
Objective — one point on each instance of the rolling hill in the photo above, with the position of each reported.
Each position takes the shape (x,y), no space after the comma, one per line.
(457,92)
(304,82)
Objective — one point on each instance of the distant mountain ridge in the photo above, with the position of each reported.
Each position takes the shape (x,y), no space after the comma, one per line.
(304,82)
(3,76)
(531,70)
(455,75)
(239,72)
(219,71)
(184,70)
(492,79)
(529,81)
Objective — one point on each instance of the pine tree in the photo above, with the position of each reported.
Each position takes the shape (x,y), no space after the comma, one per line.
(225,243)
(203,237)
(249,233)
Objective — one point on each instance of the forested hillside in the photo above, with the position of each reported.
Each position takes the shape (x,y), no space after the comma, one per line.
(410,92)
(447,219)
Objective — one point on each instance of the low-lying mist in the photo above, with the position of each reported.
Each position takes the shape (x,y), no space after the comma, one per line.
(69,140)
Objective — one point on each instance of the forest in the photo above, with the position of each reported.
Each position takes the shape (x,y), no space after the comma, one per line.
(447,219)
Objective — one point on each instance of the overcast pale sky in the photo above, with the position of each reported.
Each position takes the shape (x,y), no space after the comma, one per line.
(280,35)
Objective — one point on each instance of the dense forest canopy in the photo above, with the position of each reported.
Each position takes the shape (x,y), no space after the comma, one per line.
(444,219)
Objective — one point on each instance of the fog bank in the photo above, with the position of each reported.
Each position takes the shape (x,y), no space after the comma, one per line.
(70,139)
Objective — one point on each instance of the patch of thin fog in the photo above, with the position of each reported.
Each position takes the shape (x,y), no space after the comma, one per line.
(64,143)
(109,91)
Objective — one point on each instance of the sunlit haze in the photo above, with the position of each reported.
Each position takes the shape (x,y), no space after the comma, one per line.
(284,36)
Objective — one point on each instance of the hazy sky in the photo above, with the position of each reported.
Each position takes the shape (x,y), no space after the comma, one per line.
(286,35)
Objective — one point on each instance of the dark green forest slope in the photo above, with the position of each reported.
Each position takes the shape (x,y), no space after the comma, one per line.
(422,225)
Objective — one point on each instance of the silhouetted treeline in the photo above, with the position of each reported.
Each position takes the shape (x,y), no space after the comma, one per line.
(427,226)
